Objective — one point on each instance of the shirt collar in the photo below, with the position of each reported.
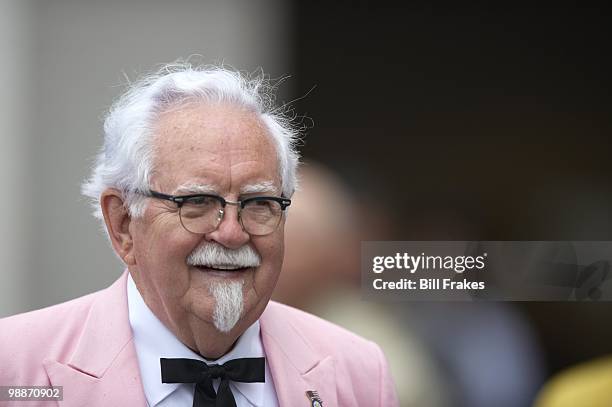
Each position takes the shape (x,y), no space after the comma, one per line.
(154,341)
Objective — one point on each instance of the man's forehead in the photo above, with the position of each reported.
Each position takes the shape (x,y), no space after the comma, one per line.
(190,124)
(216,154)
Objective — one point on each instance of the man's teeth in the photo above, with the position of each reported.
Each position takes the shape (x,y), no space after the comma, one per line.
(227,267)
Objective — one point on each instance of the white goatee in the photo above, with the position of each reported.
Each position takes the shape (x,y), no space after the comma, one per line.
(229,301)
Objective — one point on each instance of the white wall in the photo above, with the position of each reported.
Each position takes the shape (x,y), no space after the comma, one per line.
(14,71)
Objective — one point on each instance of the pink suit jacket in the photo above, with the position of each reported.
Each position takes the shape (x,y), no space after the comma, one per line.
(86,346)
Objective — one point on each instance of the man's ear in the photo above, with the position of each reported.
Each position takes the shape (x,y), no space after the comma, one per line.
(117,221)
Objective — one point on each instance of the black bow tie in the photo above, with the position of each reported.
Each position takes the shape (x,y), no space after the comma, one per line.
(246,370)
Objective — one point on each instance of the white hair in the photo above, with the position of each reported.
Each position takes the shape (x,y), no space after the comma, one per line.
(211,254)
(126,159)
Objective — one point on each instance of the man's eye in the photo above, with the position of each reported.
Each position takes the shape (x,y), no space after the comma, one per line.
(201,201)
(263,207)
(259,204)
(262,203)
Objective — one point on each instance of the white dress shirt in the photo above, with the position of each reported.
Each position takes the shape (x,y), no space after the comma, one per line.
(154,341)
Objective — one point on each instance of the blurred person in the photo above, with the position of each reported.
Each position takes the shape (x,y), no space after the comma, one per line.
(487,350)
(321,274)
(192,185)
(322,237)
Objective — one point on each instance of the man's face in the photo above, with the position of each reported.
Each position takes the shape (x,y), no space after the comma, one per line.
(227,151)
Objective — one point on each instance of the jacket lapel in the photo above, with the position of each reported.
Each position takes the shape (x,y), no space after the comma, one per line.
(296,368)
(103,370)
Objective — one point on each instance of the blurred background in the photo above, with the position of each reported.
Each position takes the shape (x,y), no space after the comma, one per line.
(446,122)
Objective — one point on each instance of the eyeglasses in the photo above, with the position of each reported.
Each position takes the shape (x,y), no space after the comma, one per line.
(202,213)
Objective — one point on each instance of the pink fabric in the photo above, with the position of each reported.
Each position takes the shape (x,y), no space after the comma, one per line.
(86,346)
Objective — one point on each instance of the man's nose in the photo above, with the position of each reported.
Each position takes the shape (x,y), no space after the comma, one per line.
(229,233)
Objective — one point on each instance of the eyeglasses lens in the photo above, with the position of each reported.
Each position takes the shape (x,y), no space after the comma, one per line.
(203,215)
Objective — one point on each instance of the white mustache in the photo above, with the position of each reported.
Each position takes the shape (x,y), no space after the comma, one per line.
(212,254)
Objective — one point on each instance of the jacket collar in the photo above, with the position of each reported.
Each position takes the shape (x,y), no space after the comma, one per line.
(103,369)
(295,365)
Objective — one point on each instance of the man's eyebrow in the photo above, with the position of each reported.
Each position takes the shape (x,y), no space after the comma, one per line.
(264,187)
(193,188)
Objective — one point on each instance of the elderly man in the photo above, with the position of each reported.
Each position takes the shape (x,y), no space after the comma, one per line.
(193,185)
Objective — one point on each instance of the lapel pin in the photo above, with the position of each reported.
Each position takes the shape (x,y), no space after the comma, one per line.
(315,400)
